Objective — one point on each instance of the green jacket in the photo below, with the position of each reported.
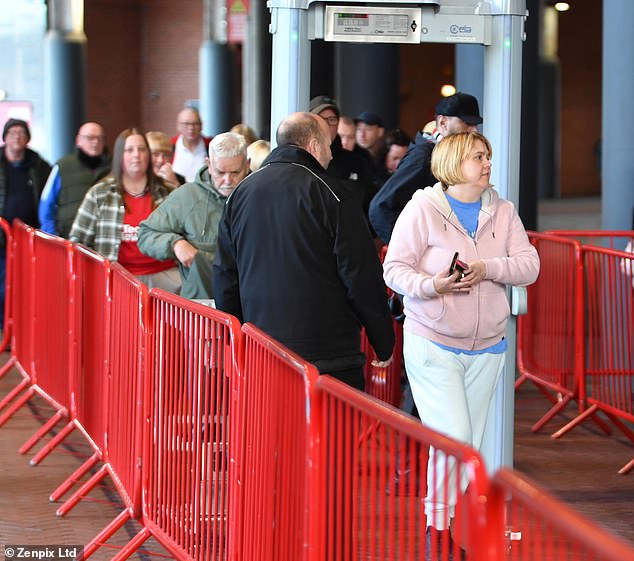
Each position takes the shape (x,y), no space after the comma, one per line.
(192,212)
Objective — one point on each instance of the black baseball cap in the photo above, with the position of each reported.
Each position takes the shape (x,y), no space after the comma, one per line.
(461,105)
(369,119)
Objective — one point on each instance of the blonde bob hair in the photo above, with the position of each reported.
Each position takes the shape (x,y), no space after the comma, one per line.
(448,155)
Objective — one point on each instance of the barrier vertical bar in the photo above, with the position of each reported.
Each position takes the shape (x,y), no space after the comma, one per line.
(6,334)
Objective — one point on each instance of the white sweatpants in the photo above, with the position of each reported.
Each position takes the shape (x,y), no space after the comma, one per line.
(452,393)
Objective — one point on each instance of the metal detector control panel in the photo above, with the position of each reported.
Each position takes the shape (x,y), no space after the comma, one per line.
(416,24)
(372,24)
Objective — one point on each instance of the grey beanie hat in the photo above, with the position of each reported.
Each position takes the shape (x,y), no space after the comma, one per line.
(16,123)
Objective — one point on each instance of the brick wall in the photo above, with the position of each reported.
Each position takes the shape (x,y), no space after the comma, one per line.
(142,61)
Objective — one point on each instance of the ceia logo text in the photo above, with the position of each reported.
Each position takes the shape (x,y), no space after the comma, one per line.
(457,29)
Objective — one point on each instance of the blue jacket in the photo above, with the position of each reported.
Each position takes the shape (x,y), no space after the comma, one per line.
(413,172)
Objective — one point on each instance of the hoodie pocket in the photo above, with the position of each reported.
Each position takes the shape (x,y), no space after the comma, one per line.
(495,309)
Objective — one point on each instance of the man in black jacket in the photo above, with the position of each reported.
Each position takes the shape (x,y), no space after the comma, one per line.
(350,167)
(457,113)
(296,259)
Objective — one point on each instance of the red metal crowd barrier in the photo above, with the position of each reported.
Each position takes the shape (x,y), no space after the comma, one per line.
(5,238)
(275,454)
(549,345)
(607,238)
(608,380)
(227,446)
(19,322)
(49,337)
(366,513)
(189,399)
(127,373)
(121,453)
(384,383)
(577,339)
(528,523)
(87,317)
(88,375)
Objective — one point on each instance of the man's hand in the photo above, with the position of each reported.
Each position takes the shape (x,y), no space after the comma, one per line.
(185,252)
(382,363)
(167,173)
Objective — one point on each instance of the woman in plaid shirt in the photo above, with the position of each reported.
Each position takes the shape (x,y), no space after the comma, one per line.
(109,216)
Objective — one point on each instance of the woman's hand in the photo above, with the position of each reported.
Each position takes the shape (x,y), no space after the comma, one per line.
(444,283)
(474,274)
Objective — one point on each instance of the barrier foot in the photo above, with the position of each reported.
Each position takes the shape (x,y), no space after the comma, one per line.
(16,404)
(627,467)
(621,425)
(53,443)
(7,366)
(82,492)
(46,427)
(135,543)
(576,421)
(105,534)
(76,476)
(520,381)
(554,410)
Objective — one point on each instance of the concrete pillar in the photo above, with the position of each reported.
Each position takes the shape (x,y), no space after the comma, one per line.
(368,80)
(617,169)
(215,71)
(256,70)
(64,75)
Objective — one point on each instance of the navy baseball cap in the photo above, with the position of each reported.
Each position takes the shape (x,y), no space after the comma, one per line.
(369,119)
(461,105)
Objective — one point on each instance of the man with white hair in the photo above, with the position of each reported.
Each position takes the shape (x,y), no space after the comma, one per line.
(185,226)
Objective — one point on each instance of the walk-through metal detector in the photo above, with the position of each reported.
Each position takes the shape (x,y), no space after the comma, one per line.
(497,24)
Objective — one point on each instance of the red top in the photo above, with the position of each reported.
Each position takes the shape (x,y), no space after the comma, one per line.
(138,209)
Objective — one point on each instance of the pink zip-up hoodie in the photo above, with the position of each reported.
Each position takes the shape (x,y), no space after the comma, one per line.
(425,238)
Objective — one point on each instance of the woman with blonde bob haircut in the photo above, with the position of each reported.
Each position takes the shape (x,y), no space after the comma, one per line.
(447,158)
(455,316)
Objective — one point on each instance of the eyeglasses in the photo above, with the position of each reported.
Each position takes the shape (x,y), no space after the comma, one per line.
(92,137)
(17,134)
(332,120)
(190,123)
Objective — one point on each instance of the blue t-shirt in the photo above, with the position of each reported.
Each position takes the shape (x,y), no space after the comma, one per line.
(496,349)
(467,213)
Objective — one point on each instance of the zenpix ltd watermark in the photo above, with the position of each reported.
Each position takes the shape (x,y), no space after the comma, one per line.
(49,552)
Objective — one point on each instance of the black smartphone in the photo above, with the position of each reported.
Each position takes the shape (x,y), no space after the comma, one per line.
(457,265)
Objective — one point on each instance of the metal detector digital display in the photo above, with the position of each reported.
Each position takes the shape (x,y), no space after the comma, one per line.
(372,24)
